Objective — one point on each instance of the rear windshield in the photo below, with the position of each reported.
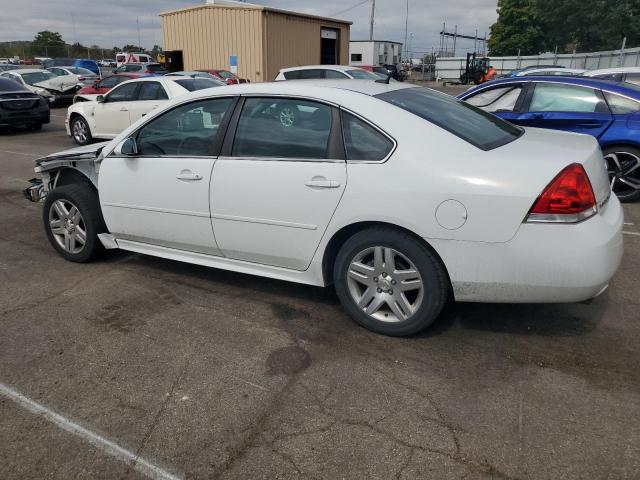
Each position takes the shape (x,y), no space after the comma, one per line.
(473,125)
(193,84)
(155,68)
(80,71)
(225,74)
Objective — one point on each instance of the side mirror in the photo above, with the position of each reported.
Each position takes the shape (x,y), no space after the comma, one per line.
(129,147)
(100,99)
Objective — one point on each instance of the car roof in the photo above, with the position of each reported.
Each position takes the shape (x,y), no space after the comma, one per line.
(622,88)
(341,68)
(613,70)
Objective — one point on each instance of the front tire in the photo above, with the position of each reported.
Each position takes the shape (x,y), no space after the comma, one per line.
(72,221)
(80,131)
(623,167)
(389,282)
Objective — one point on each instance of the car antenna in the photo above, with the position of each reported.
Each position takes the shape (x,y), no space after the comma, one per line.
(385,80)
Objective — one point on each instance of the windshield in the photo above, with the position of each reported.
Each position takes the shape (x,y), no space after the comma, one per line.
(193,84)
(473,125)
(80,71)
(362,75)
(37,77)
(225,74)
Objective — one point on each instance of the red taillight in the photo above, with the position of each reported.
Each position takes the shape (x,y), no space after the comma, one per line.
(568,198)
(81,79)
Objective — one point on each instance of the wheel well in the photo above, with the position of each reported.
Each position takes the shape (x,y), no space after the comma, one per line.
(342,235)
(71,176)
(620,145)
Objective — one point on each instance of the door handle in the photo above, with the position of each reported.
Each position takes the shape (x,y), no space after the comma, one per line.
(188,176)
(124,109)
(322,183)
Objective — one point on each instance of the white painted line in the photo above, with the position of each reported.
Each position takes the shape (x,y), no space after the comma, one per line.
(20,153)
(629,223)
(104,444)
(631,233)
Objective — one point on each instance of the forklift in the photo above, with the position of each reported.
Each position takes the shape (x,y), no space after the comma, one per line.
(476,71)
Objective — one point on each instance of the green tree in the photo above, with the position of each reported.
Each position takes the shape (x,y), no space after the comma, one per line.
(518,29)
(49,43)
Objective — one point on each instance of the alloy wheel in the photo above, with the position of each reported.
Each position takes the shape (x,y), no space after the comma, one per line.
(287,117)
(80,131)
(624,172)
(67,226)
(385,284)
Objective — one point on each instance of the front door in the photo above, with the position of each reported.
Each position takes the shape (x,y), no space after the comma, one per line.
(151,94)
(112,115)
(161,195)
(279,182)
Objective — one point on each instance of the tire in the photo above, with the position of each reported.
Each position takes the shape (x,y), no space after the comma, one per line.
(362,282)
(80,131)
(64,228)
(623,166)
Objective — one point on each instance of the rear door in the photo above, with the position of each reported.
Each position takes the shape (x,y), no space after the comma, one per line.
(150,95)
(278,181)
(571,108)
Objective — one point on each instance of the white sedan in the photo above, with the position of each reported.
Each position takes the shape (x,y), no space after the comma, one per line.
(399,196)
(329,72)
(105,116)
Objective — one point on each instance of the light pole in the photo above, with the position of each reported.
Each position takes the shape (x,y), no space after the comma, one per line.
(406,28)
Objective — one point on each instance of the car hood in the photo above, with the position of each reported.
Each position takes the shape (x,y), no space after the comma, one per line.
(87,153)
(59,84)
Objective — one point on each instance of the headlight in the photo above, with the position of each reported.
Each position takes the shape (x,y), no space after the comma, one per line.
(43,92)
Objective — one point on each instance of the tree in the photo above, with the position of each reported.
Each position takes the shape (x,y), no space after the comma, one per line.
(518,29)
(49,43)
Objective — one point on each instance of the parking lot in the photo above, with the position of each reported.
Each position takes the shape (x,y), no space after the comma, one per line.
(138,367)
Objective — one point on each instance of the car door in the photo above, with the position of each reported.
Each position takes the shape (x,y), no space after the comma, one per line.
(278,181)
(571,108)
(160,195)
(151,94)
(504,101)
(112,115)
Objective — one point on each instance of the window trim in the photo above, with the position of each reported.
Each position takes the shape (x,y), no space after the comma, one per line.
(375,127)
(336,141)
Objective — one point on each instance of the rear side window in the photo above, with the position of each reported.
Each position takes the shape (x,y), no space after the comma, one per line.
(283,128)
(501,99)
(151,91)
(470,123)
(294,75)
(362,141)
(555,97)
(620,105)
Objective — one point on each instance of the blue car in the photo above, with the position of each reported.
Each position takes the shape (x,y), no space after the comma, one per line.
(609,111)
(89,65)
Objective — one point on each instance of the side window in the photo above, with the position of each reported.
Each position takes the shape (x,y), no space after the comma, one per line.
(109,82)
(632,78)
(56,71)
(188,130)
(502,99)
(551,97)
(334,74)
(362,141)
(123,93)
(283,128)
(293,75)
(308,74)
(151,91)
(356,57)
(620,105)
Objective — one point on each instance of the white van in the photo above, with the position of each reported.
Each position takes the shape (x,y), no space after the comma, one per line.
(131,57)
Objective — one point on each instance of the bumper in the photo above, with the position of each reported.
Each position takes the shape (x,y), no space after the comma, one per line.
(543,263)
(19,118)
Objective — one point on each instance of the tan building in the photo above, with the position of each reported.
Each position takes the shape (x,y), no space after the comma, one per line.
(263,40)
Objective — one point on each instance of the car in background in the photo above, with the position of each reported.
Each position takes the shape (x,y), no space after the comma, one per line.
(141,68)
(606,110)
(107,63)
(381,72)
(133,57)
(6,67)
(548,71)
(103,86)
(198,74)
(88,64)
(347,197)
(334,72)
(20,107)
(397,72)
(619,74)
(57,90)
(83,76)
(514,73)
(126,103)
(225,75)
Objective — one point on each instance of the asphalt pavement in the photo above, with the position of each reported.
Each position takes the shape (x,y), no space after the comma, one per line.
(140,367)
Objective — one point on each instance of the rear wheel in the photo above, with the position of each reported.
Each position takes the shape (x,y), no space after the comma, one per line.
(623,167)
(72,220)
(390,282)
(80,131)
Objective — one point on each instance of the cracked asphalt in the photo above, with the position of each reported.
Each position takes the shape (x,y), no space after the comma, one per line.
(210,374)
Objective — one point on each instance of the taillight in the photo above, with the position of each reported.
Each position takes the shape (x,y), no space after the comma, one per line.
(568,198)
(81,79)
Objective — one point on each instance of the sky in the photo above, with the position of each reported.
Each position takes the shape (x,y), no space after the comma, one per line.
(109,23)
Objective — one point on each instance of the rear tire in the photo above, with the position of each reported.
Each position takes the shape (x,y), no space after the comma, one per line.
(72,220)
(389,282)
(623,167)
(80,131)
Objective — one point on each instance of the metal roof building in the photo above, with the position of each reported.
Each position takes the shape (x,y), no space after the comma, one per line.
(254,40)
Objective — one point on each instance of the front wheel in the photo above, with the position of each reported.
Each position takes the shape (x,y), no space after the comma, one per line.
(623,167)
(72,221)
(390,282)
(80,131)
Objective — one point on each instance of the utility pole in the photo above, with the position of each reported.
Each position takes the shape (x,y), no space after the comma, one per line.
(455,40)
(373,13)
(138,24)
(406,28)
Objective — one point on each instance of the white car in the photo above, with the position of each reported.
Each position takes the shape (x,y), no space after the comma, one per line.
(346,193)
(619,74)
(567,72)
(83,76)
(105,116)
(331,72)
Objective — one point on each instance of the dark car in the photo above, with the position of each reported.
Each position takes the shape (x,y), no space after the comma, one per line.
(397,73)
(20,107)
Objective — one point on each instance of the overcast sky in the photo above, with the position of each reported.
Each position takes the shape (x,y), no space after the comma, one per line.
(113,22)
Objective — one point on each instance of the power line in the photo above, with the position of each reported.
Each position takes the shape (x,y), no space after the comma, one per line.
(347,9)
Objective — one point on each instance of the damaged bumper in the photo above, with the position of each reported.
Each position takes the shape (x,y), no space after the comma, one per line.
(35,192)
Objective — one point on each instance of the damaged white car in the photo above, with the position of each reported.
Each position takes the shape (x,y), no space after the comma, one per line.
(58,90)
(329,183)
